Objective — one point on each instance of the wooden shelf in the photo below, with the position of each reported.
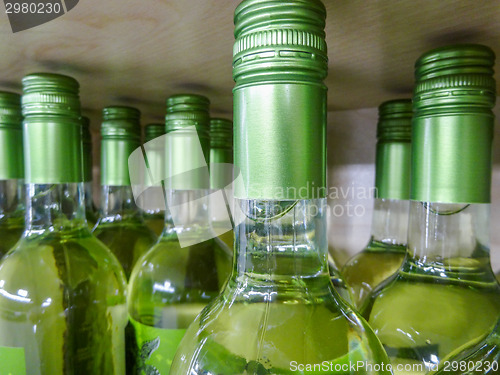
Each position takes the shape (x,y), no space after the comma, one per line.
(140,52)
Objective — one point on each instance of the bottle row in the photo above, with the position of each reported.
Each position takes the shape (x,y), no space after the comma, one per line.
(420,299)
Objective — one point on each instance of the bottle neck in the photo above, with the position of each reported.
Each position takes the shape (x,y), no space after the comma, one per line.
(11,198)
(390,221)
(280,240)
(450,239)
(55,207)
(187,213)
(118,203)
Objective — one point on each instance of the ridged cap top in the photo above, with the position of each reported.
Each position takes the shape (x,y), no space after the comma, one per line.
(121,122)
(458,74)
(284,36)
(394,123)
(221,133)
(187,110)
(152,131)
(50,94)
(10,110)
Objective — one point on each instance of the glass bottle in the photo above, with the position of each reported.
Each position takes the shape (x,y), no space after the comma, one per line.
(154,211)
(62,292)
(477,357)
(91,212)
(188,266)
(11,171)
(386,250)
(445,294)
(279,310)
(120,225)
(221,179)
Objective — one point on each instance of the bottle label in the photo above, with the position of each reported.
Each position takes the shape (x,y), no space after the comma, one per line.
(12,361)
(155,348)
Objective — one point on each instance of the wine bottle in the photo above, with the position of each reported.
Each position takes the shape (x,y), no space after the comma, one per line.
(153,201)
(188,266)
(386,249)
(445,294)
(11,171)
(62,292)
(279,311)
(120,225)
(221,179)
(91,212)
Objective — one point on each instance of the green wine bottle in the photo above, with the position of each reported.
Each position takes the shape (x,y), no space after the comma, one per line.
(221,179)
(154,212)
(279,312)
(445,295)
(477,357)
(188,266)
(62,292)
(91,212)
(120,225)
(386,250)
(11,171)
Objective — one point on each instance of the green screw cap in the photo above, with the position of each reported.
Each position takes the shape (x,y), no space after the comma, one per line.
(187,126)
(121,135)
(52,129)
(393,158)
(221,153)
(453,125)
(11,136)
(152,131)
(283,38)
(188,110)
(395,120)
(461,74)
(121,122)
(221,133)
(50,94)
(279,63)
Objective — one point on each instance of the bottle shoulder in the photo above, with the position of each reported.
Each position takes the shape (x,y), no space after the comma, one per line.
(55,260)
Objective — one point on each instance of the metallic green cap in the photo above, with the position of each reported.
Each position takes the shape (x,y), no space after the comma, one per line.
(393,158)
(394,121)
(120,122)
(50,94)
(11,136)
(221,153)
(278,39)
(221,133)
(453,125)
(279,63)
(187,110)
(121,135)
(152,131)
(52,129)
(86,149)
(187,126)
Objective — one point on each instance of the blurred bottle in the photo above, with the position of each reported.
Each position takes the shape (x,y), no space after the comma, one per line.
(188,266)
(445,295)
(385,252)
(120,225)
(91,212)
(11,171)
(62,292)
(153,200)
